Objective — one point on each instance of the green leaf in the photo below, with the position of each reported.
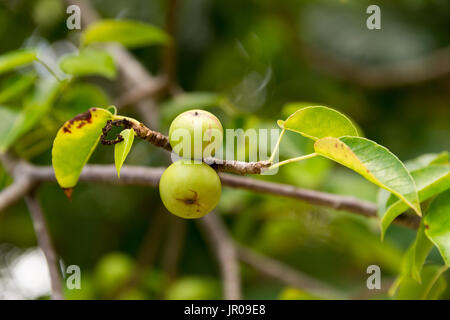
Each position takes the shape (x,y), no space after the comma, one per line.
(374,162)
(122,149)
(129,33)
(16,86)
(9,116)
(437,224)
(89,61)
(430,181)
(74,144)
(431,287)
(316,122)
(16,59)
(35,108)
(416,255)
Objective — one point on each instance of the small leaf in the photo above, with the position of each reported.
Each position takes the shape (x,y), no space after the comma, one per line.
(129,33)
(16,86)
(431,287)
(374,162)
(74,144)
(437,224)
(122,149)
(15,59)
(430,181)
(316,122)
(89,62)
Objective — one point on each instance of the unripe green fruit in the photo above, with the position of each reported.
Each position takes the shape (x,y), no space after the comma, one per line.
(196,134)
(190,189)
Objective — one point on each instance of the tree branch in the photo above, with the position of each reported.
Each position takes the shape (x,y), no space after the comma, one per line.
(223,247)
(149,176)
(409,72)
(45,243)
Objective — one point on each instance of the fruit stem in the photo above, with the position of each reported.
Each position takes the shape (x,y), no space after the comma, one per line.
(279,164)
(275,149)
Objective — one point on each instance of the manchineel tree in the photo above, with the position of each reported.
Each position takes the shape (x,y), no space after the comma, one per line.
(417,191)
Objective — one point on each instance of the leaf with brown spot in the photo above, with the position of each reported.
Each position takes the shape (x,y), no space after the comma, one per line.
(74,144)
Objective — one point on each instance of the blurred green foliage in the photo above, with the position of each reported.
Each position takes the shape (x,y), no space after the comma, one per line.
(244,61)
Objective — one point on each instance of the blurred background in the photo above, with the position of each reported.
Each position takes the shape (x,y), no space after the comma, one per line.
(245,61)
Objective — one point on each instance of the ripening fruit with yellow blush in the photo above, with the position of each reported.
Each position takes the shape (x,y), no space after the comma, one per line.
(190,189)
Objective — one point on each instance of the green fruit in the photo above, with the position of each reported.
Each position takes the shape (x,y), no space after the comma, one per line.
(190,189)
(112,271)
(196,134)
(194,288)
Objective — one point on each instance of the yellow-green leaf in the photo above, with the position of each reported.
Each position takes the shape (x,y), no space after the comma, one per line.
(74,144)
(416,255)
(430,288)
(316,122)
(15,59)
(437,224)
(129,33)
(374,162)
(89,61)
(122,149)
(430,181)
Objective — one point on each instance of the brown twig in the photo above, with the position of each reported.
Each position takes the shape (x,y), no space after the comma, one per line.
(45,243)
(223,247)
(158,139)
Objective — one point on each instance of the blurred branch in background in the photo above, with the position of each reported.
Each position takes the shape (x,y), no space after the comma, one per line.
(147,252)
(174,246)
(409,72)
(45,243)
(287,275)
(223,247)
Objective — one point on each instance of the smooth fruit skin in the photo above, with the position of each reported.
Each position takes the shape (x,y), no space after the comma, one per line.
(190,189)
(198,124)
